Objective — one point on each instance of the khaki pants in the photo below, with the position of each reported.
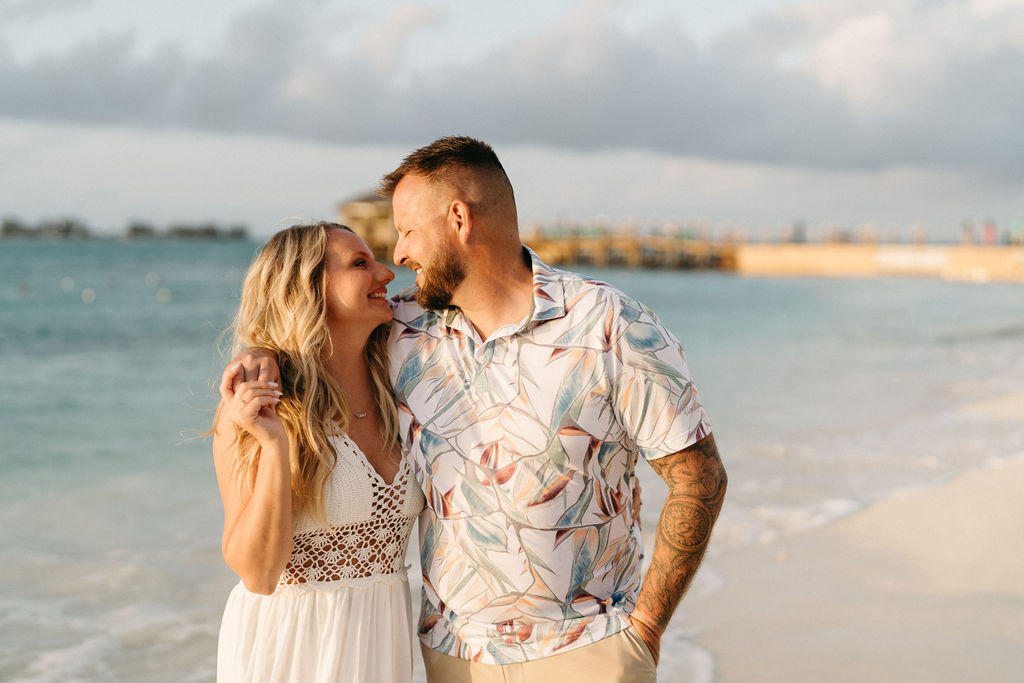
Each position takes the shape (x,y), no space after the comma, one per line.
(622,658)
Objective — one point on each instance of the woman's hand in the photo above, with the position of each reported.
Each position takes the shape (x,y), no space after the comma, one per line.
(251,406)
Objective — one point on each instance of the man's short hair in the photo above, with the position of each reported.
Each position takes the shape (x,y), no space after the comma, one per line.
(442,156)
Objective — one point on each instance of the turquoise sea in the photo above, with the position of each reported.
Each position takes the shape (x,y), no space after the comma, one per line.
(824,395)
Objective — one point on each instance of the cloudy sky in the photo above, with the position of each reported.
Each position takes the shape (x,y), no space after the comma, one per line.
(738,113)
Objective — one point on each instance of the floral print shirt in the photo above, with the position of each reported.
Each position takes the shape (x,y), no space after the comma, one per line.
(525,445)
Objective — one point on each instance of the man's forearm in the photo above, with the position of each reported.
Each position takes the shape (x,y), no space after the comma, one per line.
(697,482)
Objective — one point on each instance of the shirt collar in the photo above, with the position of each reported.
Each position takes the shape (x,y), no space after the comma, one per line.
(548,291)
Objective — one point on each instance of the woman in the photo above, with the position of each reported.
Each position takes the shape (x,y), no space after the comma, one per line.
(318,497)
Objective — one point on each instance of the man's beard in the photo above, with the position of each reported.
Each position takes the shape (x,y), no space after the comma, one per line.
(440,281)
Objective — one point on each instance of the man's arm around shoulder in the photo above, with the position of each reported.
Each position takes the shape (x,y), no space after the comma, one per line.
(696,488)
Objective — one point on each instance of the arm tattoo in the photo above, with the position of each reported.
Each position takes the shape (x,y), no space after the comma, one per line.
(697,482)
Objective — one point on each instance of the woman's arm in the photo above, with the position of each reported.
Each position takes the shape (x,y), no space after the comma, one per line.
(257,540)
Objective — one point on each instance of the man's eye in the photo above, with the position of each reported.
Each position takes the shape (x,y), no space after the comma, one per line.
(360,263)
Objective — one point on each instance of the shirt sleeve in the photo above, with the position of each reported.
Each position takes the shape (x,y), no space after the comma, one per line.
(652,393)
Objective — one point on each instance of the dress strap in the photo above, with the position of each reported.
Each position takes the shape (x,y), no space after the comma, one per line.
(352,449)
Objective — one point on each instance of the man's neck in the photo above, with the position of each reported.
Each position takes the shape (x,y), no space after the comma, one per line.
(492,297)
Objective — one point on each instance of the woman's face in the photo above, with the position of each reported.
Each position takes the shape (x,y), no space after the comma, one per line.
(357,294)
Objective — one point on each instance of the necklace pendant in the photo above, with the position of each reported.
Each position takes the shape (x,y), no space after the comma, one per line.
(360,415)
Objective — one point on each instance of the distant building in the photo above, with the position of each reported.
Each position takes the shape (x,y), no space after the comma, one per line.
(370,216)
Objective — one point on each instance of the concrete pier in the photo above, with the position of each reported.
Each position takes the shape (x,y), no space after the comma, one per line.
(948,261)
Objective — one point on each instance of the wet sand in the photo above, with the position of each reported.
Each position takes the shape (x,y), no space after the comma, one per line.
(927,585)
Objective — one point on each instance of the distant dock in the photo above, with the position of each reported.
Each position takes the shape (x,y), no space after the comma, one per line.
(370,216)
(630,250)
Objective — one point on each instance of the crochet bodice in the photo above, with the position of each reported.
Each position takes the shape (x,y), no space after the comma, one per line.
(369,519)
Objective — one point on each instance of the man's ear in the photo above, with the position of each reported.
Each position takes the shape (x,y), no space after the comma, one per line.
(461,219)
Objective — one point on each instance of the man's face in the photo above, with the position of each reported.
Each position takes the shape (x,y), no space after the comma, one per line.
(425,240)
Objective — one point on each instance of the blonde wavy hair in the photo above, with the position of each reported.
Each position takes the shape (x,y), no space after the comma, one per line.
(284,309)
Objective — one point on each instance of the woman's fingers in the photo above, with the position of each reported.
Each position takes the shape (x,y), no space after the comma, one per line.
(227,380)
(250,412)
(247,399)
(247,391)
(255,405)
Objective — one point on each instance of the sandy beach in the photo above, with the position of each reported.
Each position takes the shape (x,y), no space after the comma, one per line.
(927,585)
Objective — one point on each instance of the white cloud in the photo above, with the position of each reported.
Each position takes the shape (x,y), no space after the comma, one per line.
(385,41)
(890,56)
(30,10)
(844,84)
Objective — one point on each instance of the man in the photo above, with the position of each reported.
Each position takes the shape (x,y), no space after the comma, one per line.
(526,396)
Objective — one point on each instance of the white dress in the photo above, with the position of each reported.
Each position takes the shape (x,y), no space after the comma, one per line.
(341,611)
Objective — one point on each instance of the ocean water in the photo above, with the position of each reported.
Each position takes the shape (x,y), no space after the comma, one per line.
(824,395)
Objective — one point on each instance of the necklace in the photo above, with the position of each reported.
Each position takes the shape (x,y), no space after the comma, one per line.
(360,415)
